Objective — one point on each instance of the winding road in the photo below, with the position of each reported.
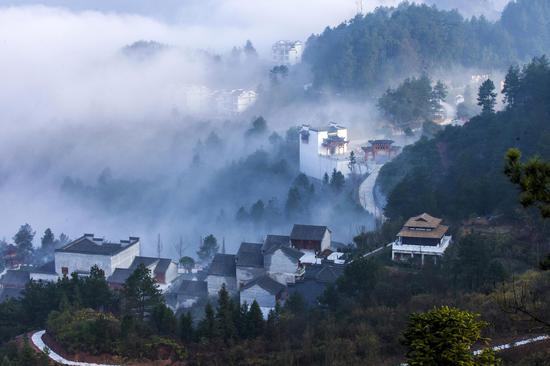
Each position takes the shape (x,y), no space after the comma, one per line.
(366,193)
(38,342)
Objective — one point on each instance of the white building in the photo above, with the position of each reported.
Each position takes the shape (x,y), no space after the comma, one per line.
(281,261)
(266,292)
(85,252)
(287,52)
(222,271)
(250,263)
(234,101)
(421,236)
(324,149)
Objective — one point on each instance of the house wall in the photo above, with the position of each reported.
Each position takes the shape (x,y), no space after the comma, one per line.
(125,258)
(327,240)
(245,274)
(171,273)
(82,262)
(262,297)
(44,277)
(313,159)
(215,284)
(280,267)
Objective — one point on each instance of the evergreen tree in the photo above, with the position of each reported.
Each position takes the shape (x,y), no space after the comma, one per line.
(337,180)
(487,98)
(241,215)
(326,179)
(351,165)
(163,320)
(23,240)
(259,127)
(293,204)
(224,315)
(95,290)
(445,336)
(140,293)
(48,240)
(249,51)
(257,211)
(185,327)
(208,248)
(207,326)
(511,85)
(255,320)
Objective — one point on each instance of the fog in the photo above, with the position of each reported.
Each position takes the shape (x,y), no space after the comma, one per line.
(75,102)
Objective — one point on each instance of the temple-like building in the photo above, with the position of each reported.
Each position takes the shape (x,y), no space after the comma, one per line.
(380,151)
(421,236)
(324,149)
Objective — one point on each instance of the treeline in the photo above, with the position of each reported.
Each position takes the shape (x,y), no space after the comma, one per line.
(459,173)
(397,42)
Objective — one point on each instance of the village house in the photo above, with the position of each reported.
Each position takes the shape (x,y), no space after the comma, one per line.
(281,261)
(249,262)
(163,270)
(186,294)
(315,281)
(421,237)
(83,253)
(222,271)
(265,291)
(312,238)
(287,52)
(323,150)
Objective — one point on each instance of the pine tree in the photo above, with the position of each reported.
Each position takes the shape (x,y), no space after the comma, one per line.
(224,315)
(23,240)
(326,179)
(187,263)
(208,248)
(337,180)
(512,84)
(255,320)
(185,327)
(140,293)
(487,98)
(48,240)
(207,326)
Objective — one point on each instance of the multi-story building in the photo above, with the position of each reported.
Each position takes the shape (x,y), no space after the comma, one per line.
(421,237)
(287,52)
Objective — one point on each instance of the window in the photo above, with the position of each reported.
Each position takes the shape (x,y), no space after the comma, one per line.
(65,271)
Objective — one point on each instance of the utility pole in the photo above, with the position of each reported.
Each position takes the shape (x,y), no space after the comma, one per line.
(359,4)
(223,245)
(159,247)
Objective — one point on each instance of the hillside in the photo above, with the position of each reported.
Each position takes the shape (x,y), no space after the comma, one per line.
(459,173)
(396,42)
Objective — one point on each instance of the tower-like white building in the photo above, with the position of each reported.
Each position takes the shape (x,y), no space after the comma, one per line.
(324,149)
(287,52)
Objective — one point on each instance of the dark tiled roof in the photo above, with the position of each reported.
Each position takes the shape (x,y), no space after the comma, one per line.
(324,273)
(120,275)
(267,283)
(87,244)
(192,288)
(163,265)
(10,293)
(274,242)
(146,261)
(15,278)
(160,265)
(223,265)
(47,268)
(292,253)
(308,232)
(250,255)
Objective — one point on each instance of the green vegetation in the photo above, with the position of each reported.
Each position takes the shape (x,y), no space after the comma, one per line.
(445,336)
(458,174)
(411,39)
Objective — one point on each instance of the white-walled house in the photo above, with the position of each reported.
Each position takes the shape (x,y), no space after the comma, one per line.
(311,238)
(287,52)
(422,236)
(221,271)
(265,291)
(324,149)
(249,262)
(281,261)
(85,252)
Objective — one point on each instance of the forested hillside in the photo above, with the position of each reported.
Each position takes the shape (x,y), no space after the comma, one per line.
(459,173)
(397,42)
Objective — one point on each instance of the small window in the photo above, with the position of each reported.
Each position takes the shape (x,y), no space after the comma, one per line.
(65,271)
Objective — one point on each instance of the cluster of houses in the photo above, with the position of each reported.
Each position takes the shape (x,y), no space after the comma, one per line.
(303,263)
(196,98)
